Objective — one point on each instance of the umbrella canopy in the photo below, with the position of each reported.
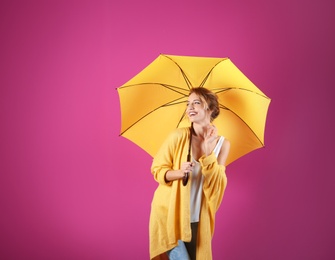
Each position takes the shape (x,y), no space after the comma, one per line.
(153,103)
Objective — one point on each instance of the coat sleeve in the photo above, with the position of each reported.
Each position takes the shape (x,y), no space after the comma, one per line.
(215,180)
(163,161)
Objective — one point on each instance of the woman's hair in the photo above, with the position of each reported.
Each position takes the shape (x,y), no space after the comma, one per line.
(209,98)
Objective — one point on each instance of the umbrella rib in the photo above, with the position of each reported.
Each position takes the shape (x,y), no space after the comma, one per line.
(150,83)
(188,82)
(170,87)
(206,77)
(244,89)
(226,108)
(171,103)
(181,118)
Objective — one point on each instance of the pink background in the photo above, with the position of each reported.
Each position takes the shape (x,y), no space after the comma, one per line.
(71,188)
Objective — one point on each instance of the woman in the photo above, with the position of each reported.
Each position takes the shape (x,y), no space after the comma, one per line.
(182,217)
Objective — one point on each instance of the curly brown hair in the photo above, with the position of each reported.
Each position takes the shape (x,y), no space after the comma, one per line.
(209,98)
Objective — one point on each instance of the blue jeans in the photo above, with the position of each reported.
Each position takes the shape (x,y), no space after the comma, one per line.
(179,252)
(185,250)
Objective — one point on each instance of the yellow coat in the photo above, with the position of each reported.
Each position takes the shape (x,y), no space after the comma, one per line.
(170,208)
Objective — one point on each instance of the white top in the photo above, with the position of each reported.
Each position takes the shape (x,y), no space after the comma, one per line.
(197,182)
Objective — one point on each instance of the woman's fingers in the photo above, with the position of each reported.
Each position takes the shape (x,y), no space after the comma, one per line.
(187,166)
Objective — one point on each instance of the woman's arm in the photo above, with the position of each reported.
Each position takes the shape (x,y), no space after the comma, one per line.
(164,166)
(173,175)
(215,176)
(222,158)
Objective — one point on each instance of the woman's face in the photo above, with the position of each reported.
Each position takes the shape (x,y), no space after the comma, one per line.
(197,110)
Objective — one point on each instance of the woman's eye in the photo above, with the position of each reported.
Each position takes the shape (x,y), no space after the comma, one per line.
(194,103)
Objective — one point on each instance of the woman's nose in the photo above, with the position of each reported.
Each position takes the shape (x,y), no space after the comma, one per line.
(190,106)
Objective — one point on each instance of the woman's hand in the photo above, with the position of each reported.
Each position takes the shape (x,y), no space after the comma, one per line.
(210,136)
(186,167)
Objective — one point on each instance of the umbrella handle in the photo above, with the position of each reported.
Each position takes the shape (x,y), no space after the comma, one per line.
(185,178)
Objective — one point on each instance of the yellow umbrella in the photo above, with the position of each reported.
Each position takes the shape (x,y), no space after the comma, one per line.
(153,103)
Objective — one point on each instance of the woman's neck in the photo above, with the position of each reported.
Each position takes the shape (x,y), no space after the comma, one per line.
(199,129)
